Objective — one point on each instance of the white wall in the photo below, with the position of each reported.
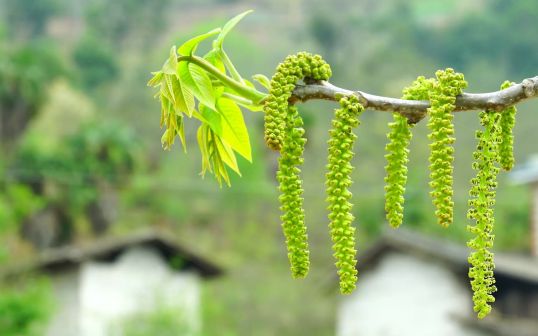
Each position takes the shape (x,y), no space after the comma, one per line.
(65,287)
(405,295)
(139,281)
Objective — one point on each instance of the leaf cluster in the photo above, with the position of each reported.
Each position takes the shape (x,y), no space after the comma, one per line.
(209,89)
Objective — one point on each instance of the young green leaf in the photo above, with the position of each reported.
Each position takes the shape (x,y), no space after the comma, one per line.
(169,67)
(227,155)
(228,27)
(189,47)
(227,122)
(156,79)
(181,131)
(201,135)
(181,98)
(197,80)
(165,108)
(213,57)
(213,160)
(235,133)
(263,80)
(230,66)
(166,86)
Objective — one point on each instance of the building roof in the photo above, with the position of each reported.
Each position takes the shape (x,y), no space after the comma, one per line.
(526,172)
(519,267)
(110,248)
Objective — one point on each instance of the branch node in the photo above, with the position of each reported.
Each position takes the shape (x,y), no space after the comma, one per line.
(530,86)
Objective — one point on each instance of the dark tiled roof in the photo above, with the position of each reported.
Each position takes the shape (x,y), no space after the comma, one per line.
(513,266)
(110,248)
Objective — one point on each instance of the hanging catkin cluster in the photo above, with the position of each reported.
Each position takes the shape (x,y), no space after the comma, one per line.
(442,100)
(284,132)
(495,145)
(482,195)
(338,181)
(288,73)
(397,154)
(291,199)
(506,146)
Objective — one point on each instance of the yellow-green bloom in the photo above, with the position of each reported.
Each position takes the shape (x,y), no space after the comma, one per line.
(284,132)
(397,154)
(442,100)
(291,189)
(338,182)
(288,73)
(482,199)
(506,145)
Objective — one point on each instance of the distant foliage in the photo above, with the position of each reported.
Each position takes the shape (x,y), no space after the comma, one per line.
(28,18)
(68,180)
(24,75)
(96,153)
(24,310)
(96,61)
(495,23)
(109,20)
(161,321)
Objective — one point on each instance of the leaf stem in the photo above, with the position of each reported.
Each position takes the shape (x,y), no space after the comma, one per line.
(246,91)
(229,65)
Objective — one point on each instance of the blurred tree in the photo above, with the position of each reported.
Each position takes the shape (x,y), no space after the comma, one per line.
(80,177)
(325,32)
(498,34)
(28,18)
(58,118)
(25,308)
(96,62)
(114,21)
(24,75)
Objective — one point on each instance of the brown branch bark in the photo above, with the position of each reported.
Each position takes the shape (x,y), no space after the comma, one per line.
(415,110)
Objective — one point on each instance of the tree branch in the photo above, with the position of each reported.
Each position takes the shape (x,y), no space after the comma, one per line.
(415,110)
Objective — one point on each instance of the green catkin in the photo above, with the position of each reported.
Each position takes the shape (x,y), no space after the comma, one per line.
(399,137)
(442,100)
(338,181)
(288,73)
(396,168)
(291,198)
(482,199)
(284,132)
(506,146)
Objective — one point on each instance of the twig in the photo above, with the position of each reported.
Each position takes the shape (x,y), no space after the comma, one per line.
(415,110)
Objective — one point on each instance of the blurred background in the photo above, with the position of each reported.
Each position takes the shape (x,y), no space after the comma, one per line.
(91,207)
